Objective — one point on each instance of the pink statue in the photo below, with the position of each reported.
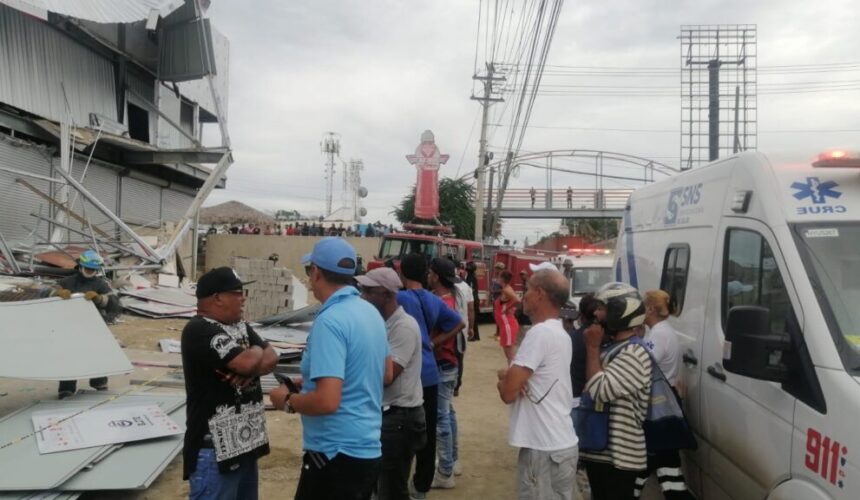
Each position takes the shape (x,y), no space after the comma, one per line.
(427,160)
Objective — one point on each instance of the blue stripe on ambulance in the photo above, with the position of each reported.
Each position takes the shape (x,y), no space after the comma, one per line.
(631,263)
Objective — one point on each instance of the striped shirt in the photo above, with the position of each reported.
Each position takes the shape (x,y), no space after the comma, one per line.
(625,383)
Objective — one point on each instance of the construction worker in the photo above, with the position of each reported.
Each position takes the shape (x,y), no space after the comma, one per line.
(89,281)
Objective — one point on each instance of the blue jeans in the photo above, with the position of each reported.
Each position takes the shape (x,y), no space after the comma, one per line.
(207,483)
(446,423)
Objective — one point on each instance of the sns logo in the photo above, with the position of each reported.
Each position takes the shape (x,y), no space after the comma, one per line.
(825,457)
(680,199)
(817,192)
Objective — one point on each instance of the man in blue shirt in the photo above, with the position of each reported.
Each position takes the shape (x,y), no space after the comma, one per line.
(342,369)
(431,314)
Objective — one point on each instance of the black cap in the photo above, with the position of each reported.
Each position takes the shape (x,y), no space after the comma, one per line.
(445,269)
(221,279)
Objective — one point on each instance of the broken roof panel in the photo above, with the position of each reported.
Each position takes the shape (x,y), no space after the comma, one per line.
(56,339)
(100,11)
(24,468)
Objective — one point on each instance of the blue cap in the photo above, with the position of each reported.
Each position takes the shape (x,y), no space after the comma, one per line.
(332,254)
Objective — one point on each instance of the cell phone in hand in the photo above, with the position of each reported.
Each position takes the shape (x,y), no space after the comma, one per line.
(287,381)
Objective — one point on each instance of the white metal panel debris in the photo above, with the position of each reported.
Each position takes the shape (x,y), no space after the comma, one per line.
(24,468)
(100,11)
(55,339)
(71,430)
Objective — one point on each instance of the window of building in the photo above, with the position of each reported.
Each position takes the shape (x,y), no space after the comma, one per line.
(674,278)
(751,277)
(138,123)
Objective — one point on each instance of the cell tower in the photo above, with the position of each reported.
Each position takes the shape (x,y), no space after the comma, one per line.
(356,189)
(330,147)
(718,91)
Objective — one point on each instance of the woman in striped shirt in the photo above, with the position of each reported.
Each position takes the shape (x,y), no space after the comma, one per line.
(620,376)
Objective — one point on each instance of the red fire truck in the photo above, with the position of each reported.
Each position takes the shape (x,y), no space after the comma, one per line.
(434,241)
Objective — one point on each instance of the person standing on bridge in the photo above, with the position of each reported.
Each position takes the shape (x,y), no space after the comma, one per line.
(533,195)
(569,197)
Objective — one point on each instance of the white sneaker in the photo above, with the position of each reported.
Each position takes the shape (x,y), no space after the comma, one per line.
(442,482)
(458,468)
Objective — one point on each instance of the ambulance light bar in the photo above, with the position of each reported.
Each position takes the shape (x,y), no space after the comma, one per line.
(837,158)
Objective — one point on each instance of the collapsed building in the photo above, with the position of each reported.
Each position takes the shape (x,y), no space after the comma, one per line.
(102,114)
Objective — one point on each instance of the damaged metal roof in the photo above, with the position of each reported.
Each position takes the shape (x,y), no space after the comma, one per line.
(99,11)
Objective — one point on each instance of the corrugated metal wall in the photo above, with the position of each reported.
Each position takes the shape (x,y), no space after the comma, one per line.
(101,181)
(140,202)
(38,61)
(174,204)
(16,201)
(168,136)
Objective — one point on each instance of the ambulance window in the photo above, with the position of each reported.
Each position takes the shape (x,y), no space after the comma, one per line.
(751,277)
(674,278)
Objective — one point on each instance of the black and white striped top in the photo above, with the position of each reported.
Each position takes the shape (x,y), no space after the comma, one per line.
(625,383)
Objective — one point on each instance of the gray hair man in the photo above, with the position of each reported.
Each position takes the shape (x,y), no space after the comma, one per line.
(538,387)
(403,426)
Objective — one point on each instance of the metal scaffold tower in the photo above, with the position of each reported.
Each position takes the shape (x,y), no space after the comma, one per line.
(356,190)
(330,147)
(718,91)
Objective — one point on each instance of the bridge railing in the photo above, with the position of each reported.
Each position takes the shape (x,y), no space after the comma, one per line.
(581,199)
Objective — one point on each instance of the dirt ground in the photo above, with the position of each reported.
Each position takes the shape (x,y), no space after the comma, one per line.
(489,464)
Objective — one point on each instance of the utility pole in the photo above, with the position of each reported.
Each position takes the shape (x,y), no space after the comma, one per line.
(483,159)
(330,146)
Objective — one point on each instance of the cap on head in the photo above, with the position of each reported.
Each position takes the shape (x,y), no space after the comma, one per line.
(543,266)
(91,260)
(218,280)
(333,254)
(624,306)
(384,277)
(445,269)
(500,266)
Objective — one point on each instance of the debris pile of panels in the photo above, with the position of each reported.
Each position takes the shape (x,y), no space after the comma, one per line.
(274,289)
(59,448)
(160,302)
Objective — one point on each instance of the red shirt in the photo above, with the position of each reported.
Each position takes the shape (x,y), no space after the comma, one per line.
(447,352)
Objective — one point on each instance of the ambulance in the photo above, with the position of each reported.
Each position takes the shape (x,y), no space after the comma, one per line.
(590,268)
(762,262)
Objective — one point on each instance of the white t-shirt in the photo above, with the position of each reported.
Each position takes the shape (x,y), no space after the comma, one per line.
(463,297)
(545,426)
(662,341)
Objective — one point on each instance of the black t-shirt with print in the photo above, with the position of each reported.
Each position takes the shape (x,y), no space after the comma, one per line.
(233,417)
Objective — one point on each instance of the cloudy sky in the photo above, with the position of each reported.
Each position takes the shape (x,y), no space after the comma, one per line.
(379,72)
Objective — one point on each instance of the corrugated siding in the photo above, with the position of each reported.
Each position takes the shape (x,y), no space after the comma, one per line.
(38,61)
(168,136)
(140,203)
(103,183)
(174,204)
(198,90)
(143,85)
(16,201)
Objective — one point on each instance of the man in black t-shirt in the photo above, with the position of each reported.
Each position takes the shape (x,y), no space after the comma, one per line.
(223,358)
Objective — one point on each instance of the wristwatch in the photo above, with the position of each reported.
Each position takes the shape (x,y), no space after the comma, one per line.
(287,406)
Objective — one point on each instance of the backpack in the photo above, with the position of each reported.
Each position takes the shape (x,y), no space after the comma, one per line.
(665,425)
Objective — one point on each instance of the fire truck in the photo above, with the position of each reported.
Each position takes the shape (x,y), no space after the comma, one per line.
(436,241)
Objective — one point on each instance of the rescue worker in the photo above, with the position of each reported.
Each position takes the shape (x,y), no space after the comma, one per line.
(89,280)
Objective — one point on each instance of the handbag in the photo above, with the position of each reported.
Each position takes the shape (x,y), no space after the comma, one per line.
(591,418)
(665,426)
(591,422)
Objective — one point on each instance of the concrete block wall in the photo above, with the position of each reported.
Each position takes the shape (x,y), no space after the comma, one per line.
(272,291)
(222,248)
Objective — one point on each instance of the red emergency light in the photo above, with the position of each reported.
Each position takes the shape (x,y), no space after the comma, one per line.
(837,158)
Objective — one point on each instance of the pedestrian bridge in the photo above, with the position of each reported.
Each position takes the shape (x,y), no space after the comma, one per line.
(557,203)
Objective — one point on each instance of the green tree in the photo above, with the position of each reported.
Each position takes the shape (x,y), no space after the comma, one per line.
(456,207)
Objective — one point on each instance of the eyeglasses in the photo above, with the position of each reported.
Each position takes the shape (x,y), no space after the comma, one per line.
(540,399)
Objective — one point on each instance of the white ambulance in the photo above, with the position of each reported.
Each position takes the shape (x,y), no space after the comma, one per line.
(590,269)
(762,262)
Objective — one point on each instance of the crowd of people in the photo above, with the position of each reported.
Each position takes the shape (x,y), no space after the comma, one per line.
(383,364)
(304,229)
